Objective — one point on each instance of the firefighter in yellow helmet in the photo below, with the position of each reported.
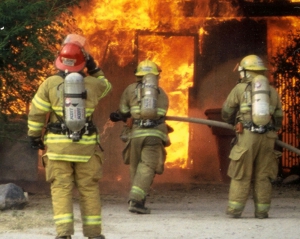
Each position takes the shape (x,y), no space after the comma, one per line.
(254,107)
(145,104)
(66,101)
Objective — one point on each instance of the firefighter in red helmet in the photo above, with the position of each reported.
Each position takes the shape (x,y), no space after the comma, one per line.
(144,104)
(71,57)
(73,154)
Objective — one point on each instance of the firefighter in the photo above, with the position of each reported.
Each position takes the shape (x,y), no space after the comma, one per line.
(143,106)
(71,162)
(254,107)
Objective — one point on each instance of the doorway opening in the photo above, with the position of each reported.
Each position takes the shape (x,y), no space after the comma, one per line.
(175,55)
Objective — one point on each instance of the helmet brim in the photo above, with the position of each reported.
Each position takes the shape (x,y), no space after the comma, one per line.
(62,67)
(142,73)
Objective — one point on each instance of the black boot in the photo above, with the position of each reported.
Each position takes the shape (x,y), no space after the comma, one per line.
(138,207)
(261,215)
(98,237)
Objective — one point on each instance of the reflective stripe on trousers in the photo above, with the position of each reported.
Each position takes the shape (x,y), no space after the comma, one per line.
(262,208)
(92,220)
(145,155)
(137,192)
(236,206)
(64,218)
(63,176)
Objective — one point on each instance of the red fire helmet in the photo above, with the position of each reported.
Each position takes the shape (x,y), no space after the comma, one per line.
(71,57)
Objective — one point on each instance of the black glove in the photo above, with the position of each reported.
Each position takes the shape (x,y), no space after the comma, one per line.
(91,65)
(115,117)
(36,143)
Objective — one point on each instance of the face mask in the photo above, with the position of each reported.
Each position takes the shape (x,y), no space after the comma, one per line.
(242,74)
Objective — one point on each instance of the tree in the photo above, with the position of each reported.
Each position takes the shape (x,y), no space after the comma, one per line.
(31,32)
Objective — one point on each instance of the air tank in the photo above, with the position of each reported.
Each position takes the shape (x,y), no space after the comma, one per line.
(149,96)
(260,100)
(74,103)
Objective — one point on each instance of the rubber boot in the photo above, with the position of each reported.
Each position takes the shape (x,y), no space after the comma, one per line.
(233,213)
(261,215)
(97,237)
(138,207)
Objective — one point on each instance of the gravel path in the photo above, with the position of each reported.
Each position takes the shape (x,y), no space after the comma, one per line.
(194,211)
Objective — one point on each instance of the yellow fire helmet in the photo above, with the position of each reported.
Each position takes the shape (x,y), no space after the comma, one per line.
(145,67)
(252,63)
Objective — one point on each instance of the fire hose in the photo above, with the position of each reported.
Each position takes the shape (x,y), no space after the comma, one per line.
(225,126)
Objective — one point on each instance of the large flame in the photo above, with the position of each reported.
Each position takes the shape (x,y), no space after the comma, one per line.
(176,79)
(112,26)
(161,31)
(278,41)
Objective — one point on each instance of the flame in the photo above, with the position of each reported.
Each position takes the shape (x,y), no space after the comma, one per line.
(176,79)
(112,27)
(277,33)
(161,31)
(278,40)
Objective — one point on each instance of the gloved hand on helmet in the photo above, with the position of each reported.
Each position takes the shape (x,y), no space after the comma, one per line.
(91,65)
(36,143)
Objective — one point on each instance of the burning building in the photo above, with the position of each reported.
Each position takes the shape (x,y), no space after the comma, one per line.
(197,44)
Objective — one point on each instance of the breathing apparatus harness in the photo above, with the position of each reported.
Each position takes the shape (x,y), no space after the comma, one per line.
(257,102)
(147,92)
(61,128)
(148,123)
(73,124)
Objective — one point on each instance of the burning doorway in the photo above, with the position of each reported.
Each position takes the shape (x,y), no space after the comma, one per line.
(175,55)
(123,33)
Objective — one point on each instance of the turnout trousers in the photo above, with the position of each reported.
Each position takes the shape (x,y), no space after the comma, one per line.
(64,176)
(252,158)
(147,157)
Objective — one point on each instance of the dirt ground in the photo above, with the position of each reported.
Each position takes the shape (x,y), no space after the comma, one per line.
(188,210)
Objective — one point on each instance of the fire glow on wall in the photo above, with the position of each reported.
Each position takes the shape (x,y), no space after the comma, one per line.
(171,34)
(144,29)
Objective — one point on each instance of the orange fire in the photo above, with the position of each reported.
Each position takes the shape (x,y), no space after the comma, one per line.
(176,79)
(112,26)
(278,41)
(163,31)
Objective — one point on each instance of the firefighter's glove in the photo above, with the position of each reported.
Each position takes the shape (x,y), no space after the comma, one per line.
(91,65)
(36,143)
(115,117)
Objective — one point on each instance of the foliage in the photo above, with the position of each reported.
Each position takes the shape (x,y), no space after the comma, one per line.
(12,128)
(31,32)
